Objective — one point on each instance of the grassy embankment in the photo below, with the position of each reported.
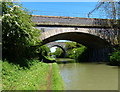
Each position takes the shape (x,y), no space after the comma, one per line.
(57,81)
(35,77)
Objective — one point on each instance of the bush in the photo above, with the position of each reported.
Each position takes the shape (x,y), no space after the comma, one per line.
(58,53)
(43,51)
(18,34)
(76,53)
(115,58)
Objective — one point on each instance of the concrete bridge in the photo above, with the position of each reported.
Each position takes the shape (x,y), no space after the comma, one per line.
(96,34)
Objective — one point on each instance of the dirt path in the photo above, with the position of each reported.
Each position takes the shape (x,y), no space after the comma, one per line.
(49,78)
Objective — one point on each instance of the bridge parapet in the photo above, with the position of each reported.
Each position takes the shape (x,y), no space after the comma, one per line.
(70,21)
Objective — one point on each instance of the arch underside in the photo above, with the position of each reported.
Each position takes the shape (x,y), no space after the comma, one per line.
(98,48)
(85,39)
(63,49)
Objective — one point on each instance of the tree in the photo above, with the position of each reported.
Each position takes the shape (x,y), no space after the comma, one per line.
(18,32)
(71,45)
(58,53)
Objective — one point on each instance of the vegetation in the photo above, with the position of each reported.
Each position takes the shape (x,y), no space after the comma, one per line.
(58,53)
(57,81)
(15,77)
(115,57)
(18,33)
(75,51)
(49,58)
(22,69)
(71,45)
(43,51)
(65,60)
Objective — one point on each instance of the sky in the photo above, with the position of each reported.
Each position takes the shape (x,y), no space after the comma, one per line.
(71,9)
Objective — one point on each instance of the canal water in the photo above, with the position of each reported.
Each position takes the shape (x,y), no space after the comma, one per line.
(89,76)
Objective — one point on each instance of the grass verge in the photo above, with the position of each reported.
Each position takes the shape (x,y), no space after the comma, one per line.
(57,82)
(15,77)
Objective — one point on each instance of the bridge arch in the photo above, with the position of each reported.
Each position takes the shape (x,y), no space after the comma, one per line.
(61,47)
(83,36)
(97,43)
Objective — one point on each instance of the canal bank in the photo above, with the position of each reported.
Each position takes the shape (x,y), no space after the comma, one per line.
(39,76)
(89,76)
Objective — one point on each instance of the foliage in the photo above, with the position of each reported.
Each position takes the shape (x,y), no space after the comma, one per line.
(20,40)
(70,45)
(58,53)
(75,50)
(76,53)
(115,58)
(43,51)
(49,58)
(18,34)
(64,60)
(57,82)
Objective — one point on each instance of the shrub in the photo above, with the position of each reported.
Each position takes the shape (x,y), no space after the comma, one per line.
(115,58)
(76,53)
(18,34)
(58,53)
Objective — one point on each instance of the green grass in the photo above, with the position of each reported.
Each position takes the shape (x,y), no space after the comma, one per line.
(16,78)
(35,77)
(57,82)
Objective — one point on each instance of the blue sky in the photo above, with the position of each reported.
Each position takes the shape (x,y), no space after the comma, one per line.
(72,9)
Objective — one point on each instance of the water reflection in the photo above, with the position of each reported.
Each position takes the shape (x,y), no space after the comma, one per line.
(89,76)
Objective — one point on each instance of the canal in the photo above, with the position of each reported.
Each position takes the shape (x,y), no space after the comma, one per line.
(89,76)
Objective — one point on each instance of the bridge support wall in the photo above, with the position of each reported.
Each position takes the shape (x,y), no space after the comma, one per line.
(98,54)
